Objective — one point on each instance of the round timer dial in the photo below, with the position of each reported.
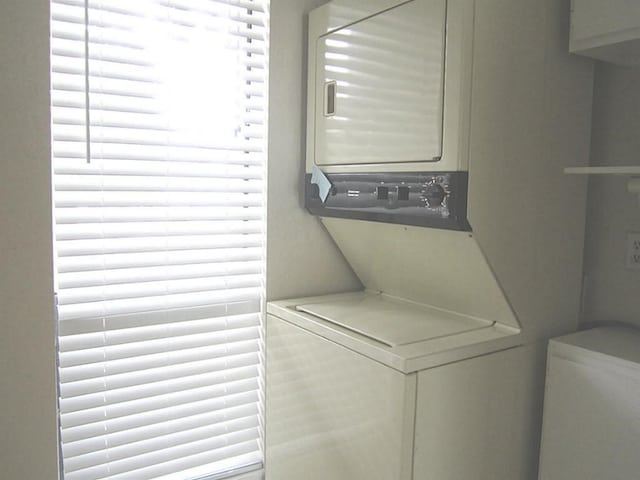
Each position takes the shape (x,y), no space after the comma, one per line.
(434,195)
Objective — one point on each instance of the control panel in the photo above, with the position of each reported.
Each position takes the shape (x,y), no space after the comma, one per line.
(436,200)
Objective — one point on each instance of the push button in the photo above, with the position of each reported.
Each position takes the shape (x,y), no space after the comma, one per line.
(403,193)
(383,193)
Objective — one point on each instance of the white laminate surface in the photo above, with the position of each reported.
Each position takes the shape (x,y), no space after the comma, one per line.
(392,321)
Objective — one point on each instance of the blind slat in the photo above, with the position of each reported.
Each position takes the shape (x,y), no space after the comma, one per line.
(150,229)
(158,464)
(91,442)
(113,359)
(141,393)
(156,244)
(136,412)
(122,306)
(88,263)
(173,169)
(240,395)
(157,274)
(81,379)
(167,442)
(218,321)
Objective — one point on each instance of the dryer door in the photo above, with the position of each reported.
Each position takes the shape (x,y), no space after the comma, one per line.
(379,87)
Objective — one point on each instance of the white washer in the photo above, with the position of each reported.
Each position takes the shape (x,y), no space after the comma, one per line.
(351,400)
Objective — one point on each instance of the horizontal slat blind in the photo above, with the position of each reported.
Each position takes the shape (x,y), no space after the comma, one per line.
(159,235)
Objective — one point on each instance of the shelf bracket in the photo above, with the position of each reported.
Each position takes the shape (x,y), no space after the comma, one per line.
(633,186)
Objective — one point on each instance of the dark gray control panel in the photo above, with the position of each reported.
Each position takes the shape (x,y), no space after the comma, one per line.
(437,200)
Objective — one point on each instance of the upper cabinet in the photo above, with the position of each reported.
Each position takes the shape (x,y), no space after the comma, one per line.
(606,30)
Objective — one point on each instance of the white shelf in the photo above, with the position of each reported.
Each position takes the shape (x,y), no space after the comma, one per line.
(631,170)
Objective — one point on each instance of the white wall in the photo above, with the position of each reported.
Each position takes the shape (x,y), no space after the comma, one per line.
(301,258)
(612,292)
(28,421)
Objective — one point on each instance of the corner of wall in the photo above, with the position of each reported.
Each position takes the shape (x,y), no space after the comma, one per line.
(611,290)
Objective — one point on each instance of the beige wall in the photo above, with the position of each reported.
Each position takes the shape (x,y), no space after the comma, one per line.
(27,399)
(301,259)
(612,292)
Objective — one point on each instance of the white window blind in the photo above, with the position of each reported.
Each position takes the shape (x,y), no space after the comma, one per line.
(158,119)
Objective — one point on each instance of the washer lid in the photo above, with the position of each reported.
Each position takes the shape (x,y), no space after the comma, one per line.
(392,321)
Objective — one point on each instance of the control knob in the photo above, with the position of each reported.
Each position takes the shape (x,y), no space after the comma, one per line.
(434,195)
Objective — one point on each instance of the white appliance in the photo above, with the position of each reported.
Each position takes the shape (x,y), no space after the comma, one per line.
(379,67)
(389,110)
(591,423)
(428,132)
(370,405)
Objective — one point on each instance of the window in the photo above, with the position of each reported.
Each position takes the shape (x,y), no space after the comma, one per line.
(158,118)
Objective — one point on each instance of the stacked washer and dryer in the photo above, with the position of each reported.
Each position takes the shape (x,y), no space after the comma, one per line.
(437,133)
